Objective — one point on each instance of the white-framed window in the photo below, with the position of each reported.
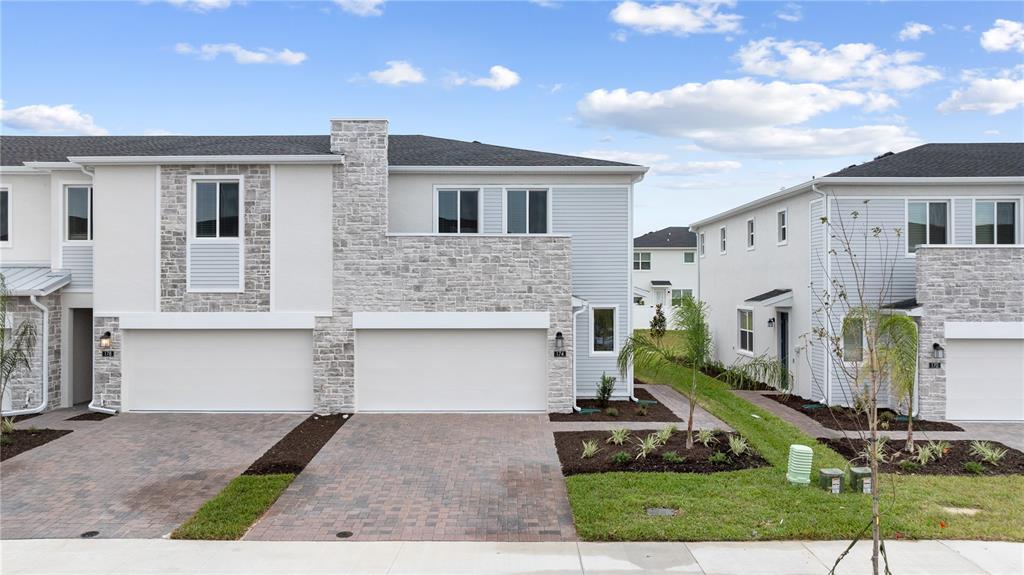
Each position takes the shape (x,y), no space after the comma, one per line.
(721,240)
(750,234)
(782,226)
(641,260)
(216,209)
(638,300)
(927,223)
(458,211)
(700,244)
(745,329)
(602,330)
(78,213)
(995,222)
(853,340)
(527,211)
(678,295)
(689,257)
(6,203)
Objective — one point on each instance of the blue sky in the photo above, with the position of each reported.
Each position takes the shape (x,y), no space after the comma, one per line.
(725,101)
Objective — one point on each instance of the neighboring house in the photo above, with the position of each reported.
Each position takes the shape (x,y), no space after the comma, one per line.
(957,266)
(349,271)
(664,271)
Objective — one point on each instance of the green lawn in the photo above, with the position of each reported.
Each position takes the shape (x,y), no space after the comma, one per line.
(759,504)
(230,514)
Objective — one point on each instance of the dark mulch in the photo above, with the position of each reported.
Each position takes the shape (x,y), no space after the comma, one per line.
(22,440)
(570,448)
(294,451)
(846,419)
(626,410)
(952,463)
(18,418)
(90,416)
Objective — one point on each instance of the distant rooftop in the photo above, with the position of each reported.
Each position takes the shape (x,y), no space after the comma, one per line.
(673,237)
(943,161)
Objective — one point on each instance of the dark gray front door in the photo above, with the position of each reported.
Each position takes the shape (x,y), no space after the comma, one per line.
(784,340)
(81,355)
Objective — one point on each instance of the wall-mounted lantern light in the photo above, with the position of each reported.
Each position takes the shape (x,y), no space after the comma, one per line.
(771,322)
(105,340)
(559,345)
(938,352)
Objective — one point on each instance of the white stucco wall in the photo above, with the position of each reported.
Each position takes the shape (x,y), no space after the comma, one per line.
(666,264)
(30,219)
(301,249)
(125,246)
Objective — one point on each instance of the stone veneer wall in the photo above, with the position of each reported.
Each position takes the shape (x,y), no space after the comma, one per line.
(375,272)
(24,386)
(174,230)
(106,371)
(962,284)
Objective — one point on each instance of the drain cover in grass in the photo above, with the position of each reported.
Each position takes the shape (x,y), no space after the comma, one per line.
(662,511)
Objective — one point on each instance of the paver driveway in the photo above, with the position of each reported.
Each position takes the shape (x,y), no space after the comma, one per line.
(134,475)
(492,477)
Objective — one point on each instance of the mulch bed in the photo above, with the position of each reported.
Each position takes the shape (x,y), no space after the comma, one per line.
(22,440)
(18,418)
(626,410)
(90,416)
(952,463)
(294,451)
(570,448)
(846,419)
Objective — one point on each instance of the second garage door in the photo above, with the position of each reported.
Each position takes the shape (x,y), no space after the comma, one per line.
(451,370)
(985,379)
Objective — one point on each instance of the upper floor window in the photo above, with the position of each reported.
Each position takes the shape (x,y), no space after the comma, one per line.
(750,234)
(782,221)
(217,209)
(700,244)
(602,325)
(526,212)
(458,211)
(995,222)
(5,215)
(927,223)
(78,210)
(721,240)
(641,260)
(745,321)
(688,257)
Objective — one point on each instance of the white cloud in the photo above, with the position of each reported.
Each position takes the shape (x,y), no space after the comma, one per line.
(809,142)
(61,119)
(680,18)
(500,78)
(620,36)
(1005,35)
(398,72)
(790,13)
(990,95)
(243,55)
(856,65)
(914,31)
(362,7)
(878,102)
(662,164)
(546,3)
(201,5)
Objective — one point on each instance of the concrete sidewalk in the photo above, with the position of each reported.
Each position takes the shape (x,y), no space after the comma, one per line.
(157,556)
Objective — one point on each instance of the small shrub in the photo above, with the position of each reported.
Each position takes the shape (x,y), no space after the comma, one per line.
(621,458)
(879,450)
(611,412)
(987,452)
(941,448)
(6,424)
(974,467)
(658,324)
(718,458)
(909,465)
(665,433)
(641,410)
(672,457)
(605,389)
(646,446)
(706,437)
(589,449)
(618,436)
(738,445)
(925,455)
(6,439)
(886,419)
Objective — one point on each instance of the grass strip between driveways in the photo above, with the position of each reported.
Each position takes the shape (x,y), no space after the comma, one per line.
(758,504)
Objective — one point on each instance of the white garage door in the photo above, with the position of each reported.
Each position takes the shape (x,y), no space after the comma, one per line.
(451,370)
(985,379)
(218,370)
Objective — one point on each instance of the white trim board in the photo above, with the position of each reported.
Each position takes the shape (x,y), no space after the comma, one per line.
(451,320)
(217,320)
(984,330)
(224,159)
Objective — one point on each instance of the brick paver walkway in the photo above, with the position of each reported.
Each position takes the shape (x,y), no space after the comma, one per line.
(130,476)
(456,477)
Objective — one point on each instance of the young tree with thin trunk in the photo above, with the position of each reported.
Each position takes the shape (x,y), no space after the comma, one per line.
(691,318)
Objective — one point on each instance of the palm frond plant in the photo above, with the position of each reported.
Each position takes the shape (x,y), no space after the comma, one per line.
(898,349)
(644,351)
(691,317)
(16,345)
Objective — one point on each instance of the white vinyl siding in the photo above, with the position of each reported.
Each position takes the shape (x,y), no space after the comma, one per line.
(216,253)
(492,209)
(77,258)
(963,221)
(818,265)
(215,267)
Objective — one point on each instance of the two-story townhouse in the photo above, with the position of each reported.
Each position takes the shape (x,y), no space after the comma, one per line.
(937,234)
(664,271)
(350,271)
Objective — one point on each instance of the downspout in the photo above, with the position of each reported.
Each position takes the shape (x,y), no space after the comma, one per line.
(45,376)
(574,335)
(828,270)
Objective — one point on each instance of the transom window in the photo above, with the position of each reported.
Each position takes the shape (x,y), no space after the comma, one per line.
(526,212)
(745,319)
(782,221)
(721,239)
(750,233)
(927,223)
(78,208)
(602,321)
(458,211)
(217,209)
(853,340)
(641,260)
(995,222)
(688,257)
(5,215)
(678,295)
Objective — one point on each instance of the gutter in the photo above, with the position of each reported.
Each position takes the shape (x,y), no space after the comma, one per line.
(45,376)
(575,314)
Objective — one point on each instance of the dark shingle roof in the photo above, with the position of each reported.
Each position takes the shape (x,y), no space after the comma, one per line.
(674,237)
(402,150)
(769,294)
(944,161)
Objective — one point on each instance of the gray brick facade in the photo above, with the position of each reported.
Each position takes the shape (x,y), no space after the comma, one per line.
(377,272)
(106,371)
(975,284)
(24,389)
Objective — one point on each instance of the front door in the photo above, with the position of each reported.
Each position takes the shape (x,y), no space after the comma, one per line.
(81,355)
(784,342)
